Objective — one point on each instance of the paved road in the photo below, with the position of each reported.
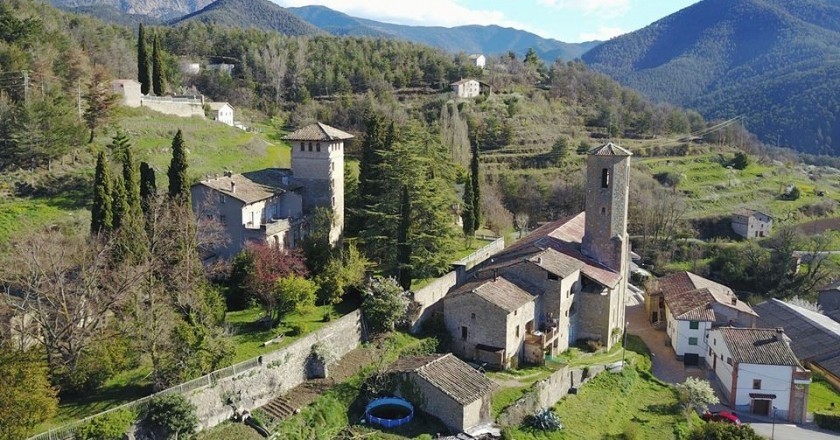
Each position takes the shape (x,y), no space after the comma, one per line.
(785,431)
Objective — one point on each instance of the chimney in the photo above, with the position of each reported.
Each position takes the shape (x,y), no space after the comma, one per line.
(539,260)
(233,187)
(495,274)
(780,333)
(734,300)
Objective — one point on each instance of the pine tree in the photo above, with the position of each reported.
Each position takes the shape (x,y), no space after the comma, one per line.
(143,71)
(100,100)
(120,143)
(101,215)
(148,185)
(468,213)
(476,187)
(179,187)
(403,244)
(158,82)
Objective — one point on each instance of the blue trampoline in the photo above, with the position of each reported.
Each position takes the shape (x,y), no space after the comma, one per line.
(389,412)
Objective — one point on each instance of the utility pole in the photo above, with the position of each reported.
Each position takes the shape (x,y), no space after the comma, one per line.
(25,86)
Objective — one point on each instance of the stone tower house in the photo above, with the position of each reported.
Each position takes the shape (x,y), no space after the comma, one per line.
(605,238)
(318,165)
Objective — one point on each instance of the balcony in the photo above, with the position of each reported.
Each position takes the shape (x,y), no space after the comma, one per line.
(543,339)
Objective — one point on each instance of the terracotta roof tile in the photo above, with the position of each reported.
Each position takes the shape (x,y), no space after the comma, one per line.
(450,375)
(758,346)
(610,149)
(317,132)
(252,186)
(499,291)
(685,291)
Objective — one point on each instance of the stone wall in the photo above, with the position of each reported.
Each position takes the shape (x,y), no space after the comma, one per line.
(174,106)
(278,372)
(546,393)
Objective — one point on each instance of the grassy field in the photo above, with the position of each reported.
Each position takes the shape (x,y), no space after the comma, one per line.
(822,395)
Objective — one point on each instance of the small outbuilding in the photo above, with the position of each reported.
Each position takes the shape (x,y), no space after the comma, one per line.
(445,387)
(749,223)
(222,112)
(128,90)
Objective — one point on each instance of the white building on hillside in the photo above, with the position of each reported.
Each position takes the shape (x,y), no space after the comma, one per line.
(758,372)
(222,112)
(128,90)
(479,60)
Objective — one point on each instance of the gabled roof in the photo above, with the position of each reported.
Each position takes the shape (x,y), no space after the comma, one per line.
(746,212)
(690,296)
(450,375)
(216,106)
(499,291)
(610,149)
(814,337)
(760,346)
(250,187)
(463,81)
(557,263)
(317,132)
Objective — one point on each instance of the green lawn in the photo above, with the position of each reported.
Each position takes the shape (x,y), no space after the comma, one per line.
(228,431)
(822,395)
(462,250)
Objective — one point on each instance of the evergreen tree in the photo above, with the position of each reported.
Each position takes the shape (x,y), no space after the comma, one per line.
(119,202)
(374,142)
(143,71)
(468,213)
(179,187)
(131,239)
(476,187)
(148,185)
(158,82)
(100,100)
(403,245)
(101,214)
(120,143)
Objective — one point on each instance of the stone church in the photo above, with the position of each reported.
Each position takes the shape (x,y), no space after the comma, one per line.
(274,205)
(564,282)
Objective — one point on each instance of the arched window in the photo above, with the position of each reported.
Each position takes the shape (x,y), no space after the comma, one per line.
(605,178)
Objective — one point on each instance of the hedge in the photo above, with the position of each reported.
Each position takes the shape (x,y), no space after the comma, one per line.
(828,420)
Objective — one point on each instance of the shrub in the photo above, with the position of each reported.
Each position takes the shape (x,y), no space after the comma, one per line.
(723,431)
(384,304)
(297,329)
(632,431)
(111,426)
(545,420)
(172,414)
(827,420)
(594,345)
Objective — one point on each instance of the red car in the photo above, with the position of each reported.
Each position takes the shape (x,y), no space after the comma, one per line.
(722,416)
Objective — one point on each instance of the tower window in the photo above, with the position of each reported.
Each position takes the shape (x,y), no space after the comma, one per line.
(603,210)
(310,146)
(318,147)
(301,146)
(605,178)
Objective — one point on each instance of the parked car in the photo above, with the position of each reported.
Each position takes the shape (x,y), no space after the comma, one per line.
(722,416)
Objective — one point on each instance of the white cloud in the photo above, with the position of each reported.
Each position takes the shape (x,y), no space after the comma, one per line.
(426,12)
(603,33)
(604,8)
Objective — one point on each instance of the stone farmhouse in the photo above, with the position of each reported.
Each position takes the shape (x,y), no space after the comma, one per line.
(758,372)
(222,112)
(564,282)
(128,91)
(690,306)
(479,60)
(445,387)
(469,88)
(748,223)
(274,205)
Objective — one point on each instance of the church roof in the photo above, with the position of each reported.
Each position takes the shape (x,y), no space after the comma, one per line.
(317,132)
(610,149)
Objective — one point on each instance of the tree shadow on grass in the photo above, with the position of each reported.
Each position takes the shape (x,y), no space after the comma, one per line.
(67,191)
(663,408)
(76,407)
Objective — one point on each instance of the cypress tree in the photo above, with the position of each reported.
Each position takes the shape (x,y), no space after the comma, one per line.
(120,203)
(468,214)
(148,185)
(131,183)
(158,82)
(476,187)
(101,215)
(372,145)
(130,238)
(179,187)
(143,71)
(403,245)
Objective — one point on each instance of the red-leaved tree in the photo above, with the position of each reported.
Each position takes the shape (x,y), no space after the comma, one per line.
(270,264)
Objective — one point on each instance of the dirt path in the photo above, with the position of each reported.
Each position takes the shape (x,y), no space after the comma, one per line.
(307,392)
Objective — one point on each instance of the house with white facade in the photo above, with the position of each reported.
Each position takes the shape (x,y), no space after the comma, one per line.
(564,282)
(222,112)
(128,91)
(690,306)
(274,205)
(749,223)
(469,88)
(479,60)
(758,372)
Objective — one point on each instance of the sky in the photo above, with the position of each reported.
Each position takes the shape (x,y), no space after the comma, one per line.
(571,21)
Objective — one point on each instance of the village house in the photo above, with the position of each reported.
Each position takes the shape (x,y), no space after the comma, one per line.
(748,223)
(690,306)
(470,88)
(478,60)
(128,91)
(758,372)
(222,112)
(564,282)
(814,337)
(222,67)
(273,205)
(188,67)
(445,387)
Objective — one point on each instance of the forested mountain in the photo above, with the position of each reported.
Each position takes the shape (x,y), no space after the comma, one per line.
(260,14)
(161,9)
(470,39)
(777,62)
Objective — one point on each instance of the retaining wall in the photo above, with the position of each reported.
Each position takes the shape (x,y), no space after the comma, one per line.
(174,106)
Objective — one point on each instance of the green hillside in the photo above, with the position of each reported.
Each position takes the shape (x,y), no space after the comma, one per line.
(260,14)
(774,61)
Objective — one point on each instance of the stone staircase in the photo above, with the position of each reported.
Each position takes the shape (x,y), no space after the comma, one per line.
(279,408)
